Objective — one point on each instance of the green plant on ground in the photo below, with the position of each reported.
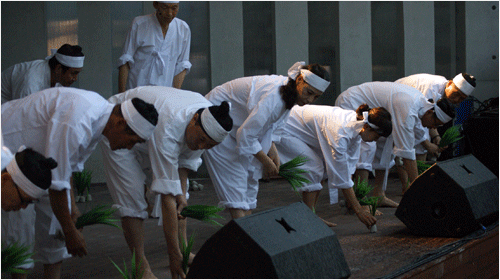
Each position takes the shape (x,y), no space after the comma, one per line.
(81,183)
(135,271)
(186,251)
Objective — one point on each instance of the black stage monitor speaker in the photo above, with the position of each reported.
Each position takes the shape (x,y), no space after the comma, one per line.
(286,242)
(451,199)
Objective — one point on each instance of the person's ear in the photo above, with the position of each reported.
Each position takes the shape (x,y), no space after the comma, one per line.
(448,84)
(6,177)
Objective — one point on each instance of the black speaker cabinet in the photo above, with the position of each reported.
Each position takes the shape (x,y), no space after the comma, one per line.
(286,242)
(451,199)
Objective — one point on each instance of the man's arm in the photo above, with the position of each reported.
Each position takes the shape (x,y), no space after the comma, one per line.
(179,79)
(171,231)
(74,238)
(122,77)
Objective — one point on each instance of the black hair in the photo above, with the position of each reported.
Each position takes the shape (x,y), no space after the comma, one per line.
(471,80)
(220,113)
(147,110)
(289,92)
(446,106)
(36,167)
(378,116)
(65,49)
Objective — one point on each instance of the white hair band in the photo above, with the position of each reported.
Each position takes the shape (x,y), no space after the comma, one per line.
(22,181)
(441,115)
(136,121)
(365,120)
(212,126)
(463,85)
(314,80)
(70,61)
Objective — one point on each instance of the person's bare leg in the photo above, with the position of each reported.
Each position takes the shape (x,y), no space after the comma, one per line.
(237,213)
(133,230)
(311,199)
(52,271)
(248,212)
(384,201)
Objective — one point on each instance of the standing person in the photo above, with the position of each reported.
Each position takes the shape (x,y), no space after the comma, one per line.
(66,124)
(435,87)
(259,105)
(188,124)
(62,68)
(410,112)
(156,51)
(330,138)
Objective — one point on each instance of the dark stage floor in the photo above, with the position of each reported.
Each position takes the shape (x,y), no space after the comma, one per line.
(369,255)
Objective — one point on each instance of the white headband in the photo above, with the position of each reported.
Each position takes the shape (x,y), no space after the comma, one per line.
(312,79)
(7,156)
(365,120)
(441,115)
(136,121)
(463,85)
(70,61)
(22,181)
(212,126)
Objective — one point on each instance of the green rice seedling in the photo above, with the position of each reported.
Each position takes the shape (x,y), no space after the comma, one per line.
(15,255)
(98,215)
(450,136)
(134,273)
(293,174)
(422,166)
(186,251)
(372,203)
(81,182)
(361,189)
(203,213)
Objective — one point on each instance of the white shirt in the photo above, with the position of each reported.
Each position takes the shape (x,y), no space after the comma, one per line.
(256,108)
(63,123)
(405,104)
(167,147)
(25,78)
(332,132)
(432,86)
(153,59)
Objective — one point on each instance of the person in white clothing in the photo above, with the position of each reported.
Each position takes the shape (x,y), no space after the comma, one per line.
(65,124)
(259,105)
(410,112)
(330,138)
(188,124)
(26,176)
(435,87)
(156,51)
(59,69)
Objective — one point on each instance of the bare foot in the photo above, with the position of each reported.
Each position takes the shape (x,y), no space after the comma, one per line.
(191,258)
(386,202)
(148,274)
(330,224)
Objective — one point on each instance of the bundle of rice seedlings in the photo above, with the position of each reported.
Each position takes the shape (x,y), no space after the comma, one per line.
(361,189)
(134,273)
(292,173)
(372,203)
(450,136)
(422,166)
(14,256)
(186,251)
(203,213)
(81,182)
(98,215)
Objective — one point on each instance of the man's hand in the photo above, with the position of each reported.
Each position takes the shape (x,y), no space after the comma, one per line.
(176,266)
(273,154)
(366,218)
(181,203)
(75,243)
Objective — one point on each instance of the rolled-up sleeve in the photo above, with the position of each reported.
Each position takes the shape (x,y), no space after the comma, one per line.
(164,153)
(129,47)
(183,59)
